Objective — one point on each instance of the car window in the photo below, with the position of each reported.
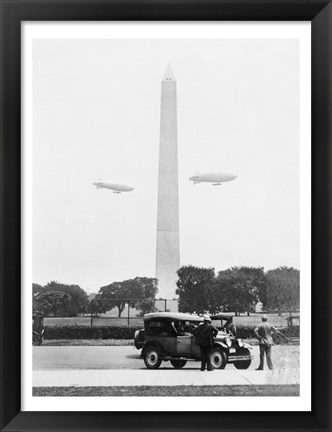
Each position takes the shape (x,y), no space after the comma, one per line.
(160,328)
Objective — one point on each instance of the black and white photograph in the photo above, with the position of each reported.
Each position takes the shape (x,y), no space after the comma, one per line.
(167,203)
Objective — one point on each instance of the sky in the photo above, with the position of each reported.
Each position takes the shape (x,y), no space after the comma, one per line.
(96,116)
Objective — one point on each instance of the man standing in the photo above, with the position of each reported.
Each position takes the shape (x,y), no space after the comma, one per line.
(264,334)
(204,334)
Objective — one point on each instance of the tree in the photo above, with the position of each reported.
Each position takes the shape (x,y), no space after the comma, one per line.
(240,288)
(52,302)
(283,290)
(146,306)
(195,288)
(36,289)
(118,294)
(79,302)
(149,287)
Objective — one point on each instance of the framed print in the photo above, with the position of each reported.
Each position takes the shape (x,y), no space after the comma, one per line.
(165,210)
(254,57)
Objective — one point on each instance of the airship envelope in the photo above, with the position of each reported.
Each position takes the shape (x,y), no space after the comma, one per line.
(217,178)
(115,186)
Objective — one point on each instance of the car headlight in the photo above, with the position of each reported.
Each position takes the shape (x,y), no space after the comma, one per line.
(240,343)
(228,343)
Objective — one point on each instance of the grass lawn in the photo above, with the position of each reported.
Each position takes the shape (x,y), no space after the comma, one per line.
(96,321)
(254,319)
(260,390)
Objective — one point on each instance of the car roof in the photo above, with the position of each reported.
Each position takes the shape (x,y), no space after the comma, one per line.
(176,316)
(225,316)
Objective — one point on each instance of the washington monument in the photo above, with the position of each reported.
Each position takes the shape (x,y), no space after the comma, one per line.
(168,249)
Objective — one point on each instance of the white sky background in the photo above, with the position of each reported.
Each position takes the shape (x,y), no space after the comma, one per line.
(96,115)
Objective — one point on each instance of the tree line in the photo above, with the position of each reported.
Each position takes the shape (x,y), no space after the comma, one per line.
(237,289)
(138,293)
(61,300)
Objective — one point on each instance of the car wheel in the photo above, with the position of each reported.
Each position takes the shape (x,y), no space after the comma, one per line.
(218,358)
(178,364)
(243,364)
(152,358)
(35,339)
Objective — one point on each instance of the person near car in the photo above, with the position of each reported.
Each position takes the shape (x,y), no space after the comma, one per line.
(230,327)
(205,334)
(181,329)
(264,333)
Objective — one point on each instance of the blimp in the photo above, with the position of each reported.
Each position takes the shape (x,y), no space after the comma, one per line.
(115,186)
(216,178)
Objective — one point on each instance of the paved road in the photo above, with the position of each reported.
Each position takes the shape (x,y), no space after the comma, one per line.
(127,357)
(86,366)
(86,357)
(97,357)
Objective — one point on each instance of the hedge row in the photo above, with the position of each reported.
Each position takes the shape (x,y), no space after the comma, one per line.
(84,332)
(108,332)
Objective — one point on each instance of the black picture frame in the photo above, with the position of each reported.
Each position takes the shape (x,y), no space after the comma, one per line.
(13,13)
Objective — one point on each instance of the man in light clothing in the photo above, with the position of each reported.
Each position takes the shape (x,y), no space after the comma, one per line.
(264,333)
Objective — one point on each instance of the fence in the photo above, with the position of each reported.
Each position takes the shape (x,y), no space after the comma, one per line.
(131,317)
(106,312)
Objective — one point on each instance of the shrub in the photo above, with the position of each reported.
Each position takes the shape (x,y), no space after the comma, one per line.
(84,332)
(247,332)
(108,332)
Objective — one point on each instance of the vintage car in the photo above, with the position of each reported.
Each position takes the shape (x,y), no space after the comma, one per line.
(293,321)
(168,336)
(38,330)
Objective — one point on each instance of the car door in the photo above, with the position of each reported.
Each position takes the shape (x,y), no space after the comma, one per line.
(183,345)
